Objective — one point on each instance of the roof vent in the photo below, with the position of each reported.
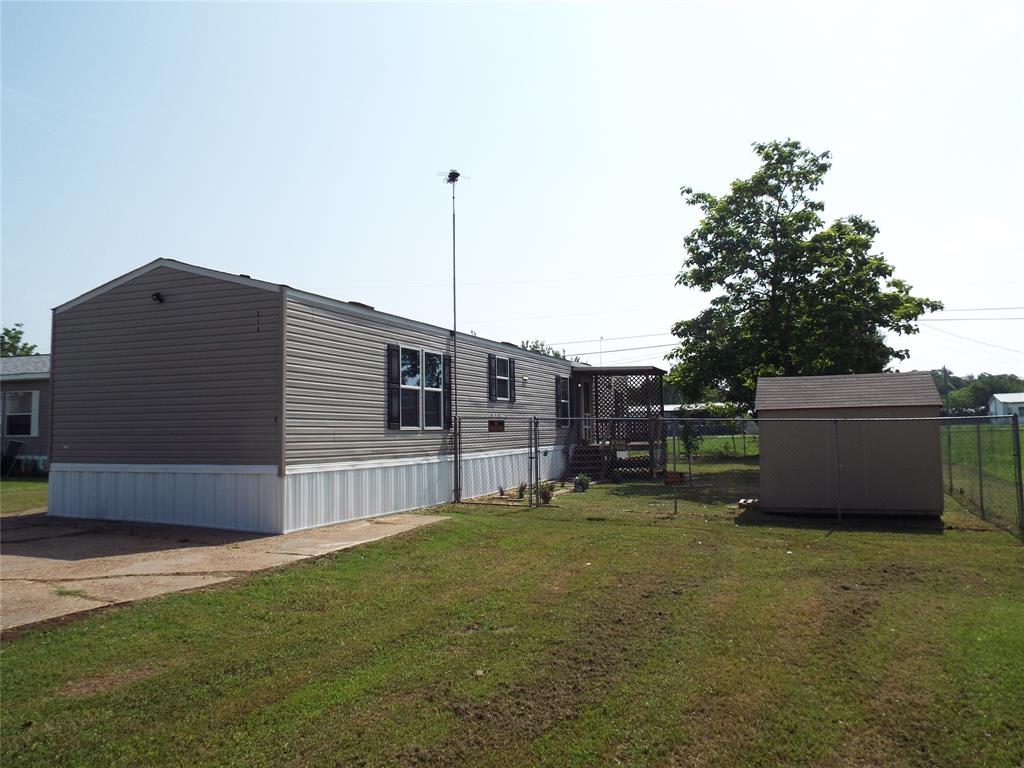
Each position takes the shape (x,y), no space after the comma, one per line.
(360,304)
(241,275)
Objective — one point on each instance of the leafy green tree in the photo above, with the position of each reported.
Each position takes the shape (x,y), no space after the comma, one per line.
(946,381)
(794,297)
(11,344)
(979,390)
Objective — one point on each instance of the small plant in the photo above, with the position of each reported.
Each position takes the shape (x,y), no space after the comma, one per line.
(521,491)
(583,479)
(501,491)
(546,492)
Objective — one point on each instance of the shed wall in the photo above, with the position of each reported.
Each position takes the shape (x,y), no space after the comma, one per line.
(883,466)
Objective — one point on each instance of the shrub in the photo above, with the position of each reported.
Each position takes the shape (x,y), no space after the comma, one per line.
(521,491)
(501,491)
(584,480)
(546,492)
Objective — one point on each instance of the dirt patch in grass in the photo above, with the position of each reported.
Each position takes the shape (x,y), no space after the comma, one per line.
(90,686)
(616,631)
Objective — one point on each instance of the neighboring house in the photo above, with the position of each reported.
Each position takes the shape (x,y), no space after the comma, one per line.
(186,395)
(25,405)
(809,462)
(1006,404)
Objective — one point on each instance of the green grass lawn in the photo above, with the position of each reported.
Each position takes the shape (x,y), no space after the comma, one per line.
(603,630)
(22,493)
(961,443)
(718,446)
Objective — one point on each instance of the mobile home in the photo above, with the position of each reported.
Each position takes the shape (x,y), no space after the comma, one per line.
(186,395)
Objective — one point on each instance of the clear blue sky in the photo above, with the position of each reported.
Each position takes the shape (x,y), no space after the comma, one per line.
(300,143)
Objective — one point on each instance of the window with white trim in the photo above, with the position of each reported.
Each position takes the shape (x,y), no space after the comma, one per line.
(433,390)
(501,378)
(21,414)
(411,385)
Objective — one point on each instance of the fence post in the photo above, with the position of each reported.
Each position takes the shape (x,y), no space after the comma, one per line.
(457,468)
(981,475)
(949,456)
(531,456)
(534,425)
(1015,421)
(839,471)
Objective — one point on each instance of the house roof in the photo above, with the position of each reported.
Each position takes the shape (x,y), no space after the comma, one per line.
(356,308)
(25,367)
(1009,397)
(862,390)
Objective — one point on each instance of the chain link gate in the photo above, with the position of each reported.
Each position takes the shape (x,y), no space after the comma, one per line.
(495,461)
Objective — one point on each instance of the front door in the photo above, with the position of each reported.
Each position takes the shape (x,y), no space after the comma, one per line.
(587,410)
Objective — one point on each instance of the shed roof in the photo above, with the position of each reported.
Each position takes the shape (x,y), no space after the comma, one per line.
(25,367)
(861,390)
(1010,398)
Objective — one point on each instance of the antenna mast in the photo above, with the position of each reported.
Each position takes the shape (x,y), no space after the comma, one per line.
(453,177)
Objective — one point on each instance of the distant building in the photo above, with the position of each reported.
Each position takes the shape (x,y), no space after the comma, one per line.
(25,403)
(1006,404)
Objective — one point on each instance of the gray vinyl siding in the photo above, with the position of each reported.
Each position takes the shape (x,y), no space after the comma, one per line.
(40,444)
(194,380)
(336,386)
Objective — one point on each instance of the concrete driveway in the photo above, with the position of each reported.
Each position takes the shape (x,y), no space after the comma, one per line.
(52,567)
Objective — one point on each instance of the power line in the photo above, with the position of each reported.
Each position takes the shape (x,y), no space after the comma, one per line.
(982,309)
(978,341)
(625,349)
(569,280)
(572,314)
(610,338)
(966,319)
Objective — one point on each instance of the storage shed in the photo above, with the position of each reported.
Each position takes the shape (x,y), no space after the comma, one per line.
(863,443)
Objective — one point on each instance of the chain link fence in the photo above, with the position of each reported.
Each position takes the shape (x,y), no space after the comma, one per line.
(496,460)
(981,465)
(846,465)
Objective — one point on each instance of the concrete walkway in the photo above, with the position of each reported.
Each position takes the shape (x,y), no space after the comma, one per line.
(52,567)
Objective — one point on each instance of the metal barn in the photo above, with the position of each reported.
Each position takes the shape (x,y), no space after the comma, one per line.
(863,443)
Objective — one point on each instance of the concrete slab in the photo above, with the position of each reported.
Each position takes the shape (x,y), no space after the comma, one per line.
(51,567)
(124,589)
(26,602)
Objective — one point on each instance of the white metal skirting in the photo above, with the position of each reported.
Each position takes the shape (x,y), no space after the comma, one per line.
(241,498)
(324,494)
(256,499)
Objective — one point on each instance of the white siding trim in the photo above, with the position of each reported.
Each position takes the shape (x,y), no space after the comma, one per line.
(24,377)
(194,469)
